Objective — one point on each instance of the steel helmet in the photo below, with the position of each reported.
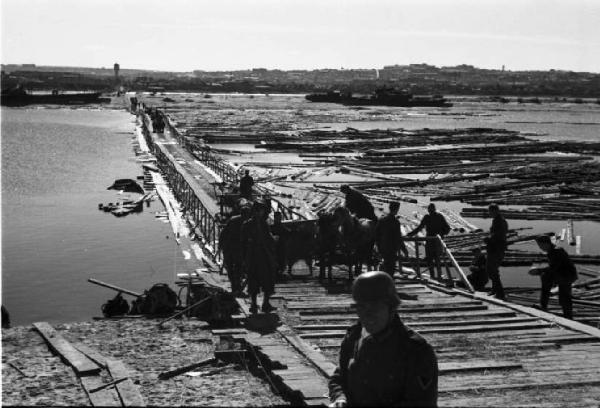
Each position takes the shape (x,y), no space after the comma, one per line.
(375,285)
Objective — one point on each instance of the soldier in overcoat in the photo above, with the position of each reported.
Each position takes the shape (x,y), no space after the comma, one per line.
(382,362)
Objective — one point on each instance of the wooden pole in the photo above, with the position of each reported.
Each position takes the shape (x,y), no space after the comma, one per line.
(183,311)
(456,265)
(113,287)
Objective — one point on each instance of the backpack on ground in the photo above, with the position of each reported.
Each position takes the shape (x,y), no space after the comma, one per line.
(115,306)
(159,299)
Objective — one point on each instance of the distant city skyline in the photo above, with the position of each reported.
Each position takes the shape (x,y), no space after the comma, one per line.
(211,35)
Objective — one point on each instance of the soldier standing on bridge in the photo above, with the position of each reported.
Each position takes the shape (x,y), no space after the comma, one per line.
(560,271)
(231,245)
(358,204)
(388,237)
(382,362)
(281,233)
(258,251)
(496,246)
(246,184)
(434,224)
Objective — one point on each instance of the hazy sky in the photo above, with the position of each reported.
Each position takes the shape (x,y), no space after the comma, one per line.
(183,35)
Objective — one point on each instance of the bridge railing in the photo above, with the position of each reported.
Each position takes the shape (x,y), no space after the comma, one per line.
(206,223)
(447,260)
(202,153)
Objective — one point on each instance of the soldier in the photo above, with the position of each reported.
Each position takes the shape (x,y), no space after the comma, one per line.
(496,246)
(388,237)
(382,362)
(281,234)
(358,204)
(434,224)
(231,245)
(258,253)
(246,184)
(560,271)
(478,276)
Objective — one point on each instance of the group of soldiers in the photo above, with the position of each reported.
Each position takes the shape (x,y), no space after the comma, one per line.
(255,249)
(382,362)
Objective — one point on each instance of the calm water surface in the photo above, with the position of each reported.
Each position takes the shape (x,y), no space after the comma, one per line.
(56,165)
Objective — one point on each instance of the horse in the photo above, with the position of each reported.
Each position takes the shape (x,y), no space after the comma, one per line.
(353,236)
(357,240)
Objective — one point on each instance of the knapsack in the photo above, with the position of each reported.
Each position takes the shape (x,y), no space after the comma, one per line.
(159,299)
(115,306)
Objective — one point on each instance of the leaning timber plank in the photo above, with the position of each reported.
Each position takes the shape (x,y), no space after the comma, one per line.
(107,397)
(76,359)
(128,391)
(451,367)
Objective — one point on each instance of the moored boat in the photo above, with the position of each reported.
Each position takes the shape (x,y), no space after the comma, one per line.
(20,97)
(381,97)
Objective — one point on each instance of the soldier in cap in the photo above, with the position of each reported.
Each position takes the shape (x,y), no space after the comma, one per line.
(246,184)
(230,243)
(258,253)
(434,224)
(388,237)
(495,247)
(560,271)
(382,362)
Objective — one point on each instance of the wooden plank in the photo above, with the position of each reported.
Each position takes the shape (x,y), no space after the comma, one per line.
(128,392)
(180,370)
(316,358)
(417,325)
(107,397)
(522,385)
(91,354)
(485,328)
(76,359)
(452,367)
(538,313)
(407,319)
(333,310)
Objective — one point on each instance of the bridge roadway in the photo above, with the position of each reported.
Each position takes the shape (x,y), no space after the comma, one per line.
(490,353)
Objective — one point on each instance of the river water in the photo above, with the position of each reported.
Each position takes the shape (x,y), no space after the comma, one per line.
(57,163)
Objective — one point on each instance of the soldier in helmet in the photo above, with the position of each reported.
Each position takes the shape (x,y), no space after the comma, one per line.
(382,362)
(258,254)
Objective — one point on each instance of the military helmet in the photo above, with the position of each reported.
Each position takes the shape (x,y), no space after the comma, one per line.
(375,285)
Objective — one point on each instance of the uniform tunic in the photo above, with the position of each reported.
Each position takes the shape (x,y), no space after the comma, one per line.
(231,244)
(495,246)
(260,264)
(246,184)
(561,272)
(388,236)
(395,367)
(434,224)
